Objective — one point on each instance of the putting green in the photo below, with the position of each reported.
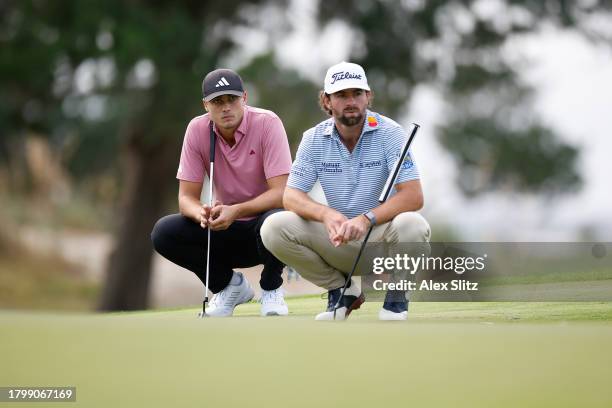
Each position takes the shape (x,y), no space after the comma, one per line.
(447,354)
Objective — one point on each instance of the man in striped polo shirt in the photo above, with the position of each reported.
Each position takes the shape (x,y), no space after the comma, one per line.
(351,154)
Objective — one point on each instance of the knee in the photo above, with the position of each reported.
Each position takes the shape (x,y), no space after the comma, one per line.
(159,234)
(411,227)
(274,228)
(262,219)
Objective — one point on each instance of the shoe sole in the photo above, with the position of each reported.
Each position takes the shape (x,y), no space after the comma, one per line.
(387,318)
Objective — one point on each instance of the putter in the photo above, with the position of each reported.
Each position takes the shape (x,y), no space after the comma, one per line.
(210,203)
(383,197)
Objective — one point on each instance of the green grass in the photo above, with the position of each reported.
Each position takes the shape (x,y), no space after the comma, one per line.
(549,274)
(445,355)
(308,306)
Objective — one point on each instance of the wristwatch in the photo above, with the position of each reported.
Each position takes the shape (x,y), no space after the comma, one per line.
(371,217)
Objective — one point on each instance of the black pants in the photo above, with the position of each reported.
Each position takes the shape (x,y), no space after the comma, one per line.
(183,241)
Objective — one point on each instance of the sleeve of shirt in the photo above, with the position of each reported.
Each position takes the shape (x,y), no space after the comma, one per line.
(276,152)
(303,171)
(393,150)
(191,166)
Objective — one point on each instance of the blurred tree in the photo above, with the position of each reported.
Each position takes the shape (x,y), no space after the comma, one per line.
(284,92)
(490,128)
(128,71)
(108,76)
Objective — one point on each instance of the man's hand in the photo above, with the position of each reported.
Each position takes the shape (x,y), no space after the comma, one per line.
(332,220)
(205,216)
(222,216)
(353,229)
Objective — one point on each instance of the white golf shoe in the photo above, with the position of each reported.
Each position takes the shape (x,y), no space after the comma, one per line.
(223,303)
(273,303)
(388,315)
(352,300)
(395,307)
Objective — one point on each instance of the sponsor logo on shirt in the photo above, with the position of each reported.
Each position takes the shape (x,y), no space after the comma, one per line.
(330,167)
(407,164)
(370,164)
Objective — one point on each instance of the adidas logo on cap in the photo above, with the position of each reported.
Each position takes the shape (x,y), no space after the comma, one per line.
(222,82)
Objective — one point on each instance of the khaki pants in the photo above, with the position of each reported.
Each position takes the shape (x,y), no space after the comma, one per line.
(305,246)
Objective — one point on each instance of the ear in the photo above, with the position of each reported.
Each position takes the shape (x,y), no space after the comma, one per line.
(244,97)
(370,96)
(327,101)
(205,105)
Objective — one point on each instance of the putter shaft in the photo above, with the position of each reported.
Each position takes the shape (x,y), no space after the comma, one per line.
(383,197)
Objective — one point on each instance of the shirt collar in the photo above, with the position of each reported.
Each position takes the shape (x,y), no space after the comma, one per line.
(244,124)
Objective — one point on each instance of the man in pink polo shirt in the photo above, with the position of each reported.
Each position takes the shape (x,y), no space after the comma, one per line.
(252,163)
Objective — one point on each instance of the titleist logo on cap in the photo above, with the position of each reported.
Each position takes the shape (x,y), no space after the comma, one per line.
(339,76)
(345,75)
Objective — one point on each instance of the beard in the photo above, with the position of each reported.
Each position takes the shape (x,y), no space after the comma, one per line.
(352,121)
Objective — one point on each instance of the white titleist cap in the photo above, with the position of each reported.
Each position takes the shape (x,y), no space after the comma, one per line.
(345,75)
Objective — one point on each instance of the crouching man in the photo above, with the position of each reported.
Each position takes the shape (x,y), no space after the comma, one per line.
(251,165)
(351,154)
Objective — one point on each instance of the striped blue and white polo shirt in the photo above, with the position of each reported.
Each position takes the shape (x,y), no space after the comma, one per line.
(351,181)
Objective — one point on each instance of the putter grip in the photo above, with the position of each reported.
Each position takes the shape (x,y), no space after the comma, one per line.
(212,142)
(391,179)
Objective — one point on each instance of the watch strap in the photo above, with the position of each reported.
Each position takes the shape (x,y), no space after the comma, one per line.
(370,216)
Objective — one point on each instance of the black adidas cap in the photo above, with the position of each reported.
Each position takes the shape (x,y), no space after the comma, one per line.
(221,82)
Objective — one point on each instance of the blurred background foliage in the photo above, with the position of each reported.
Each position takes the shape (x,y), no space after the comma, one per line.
(95,97)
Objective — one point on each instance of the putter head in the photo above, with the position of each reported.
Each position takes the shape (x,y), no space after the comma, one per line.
(202,313)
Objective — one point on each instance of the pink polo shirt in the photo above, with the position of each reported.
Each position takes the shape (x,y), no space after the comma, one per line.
(261,152)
